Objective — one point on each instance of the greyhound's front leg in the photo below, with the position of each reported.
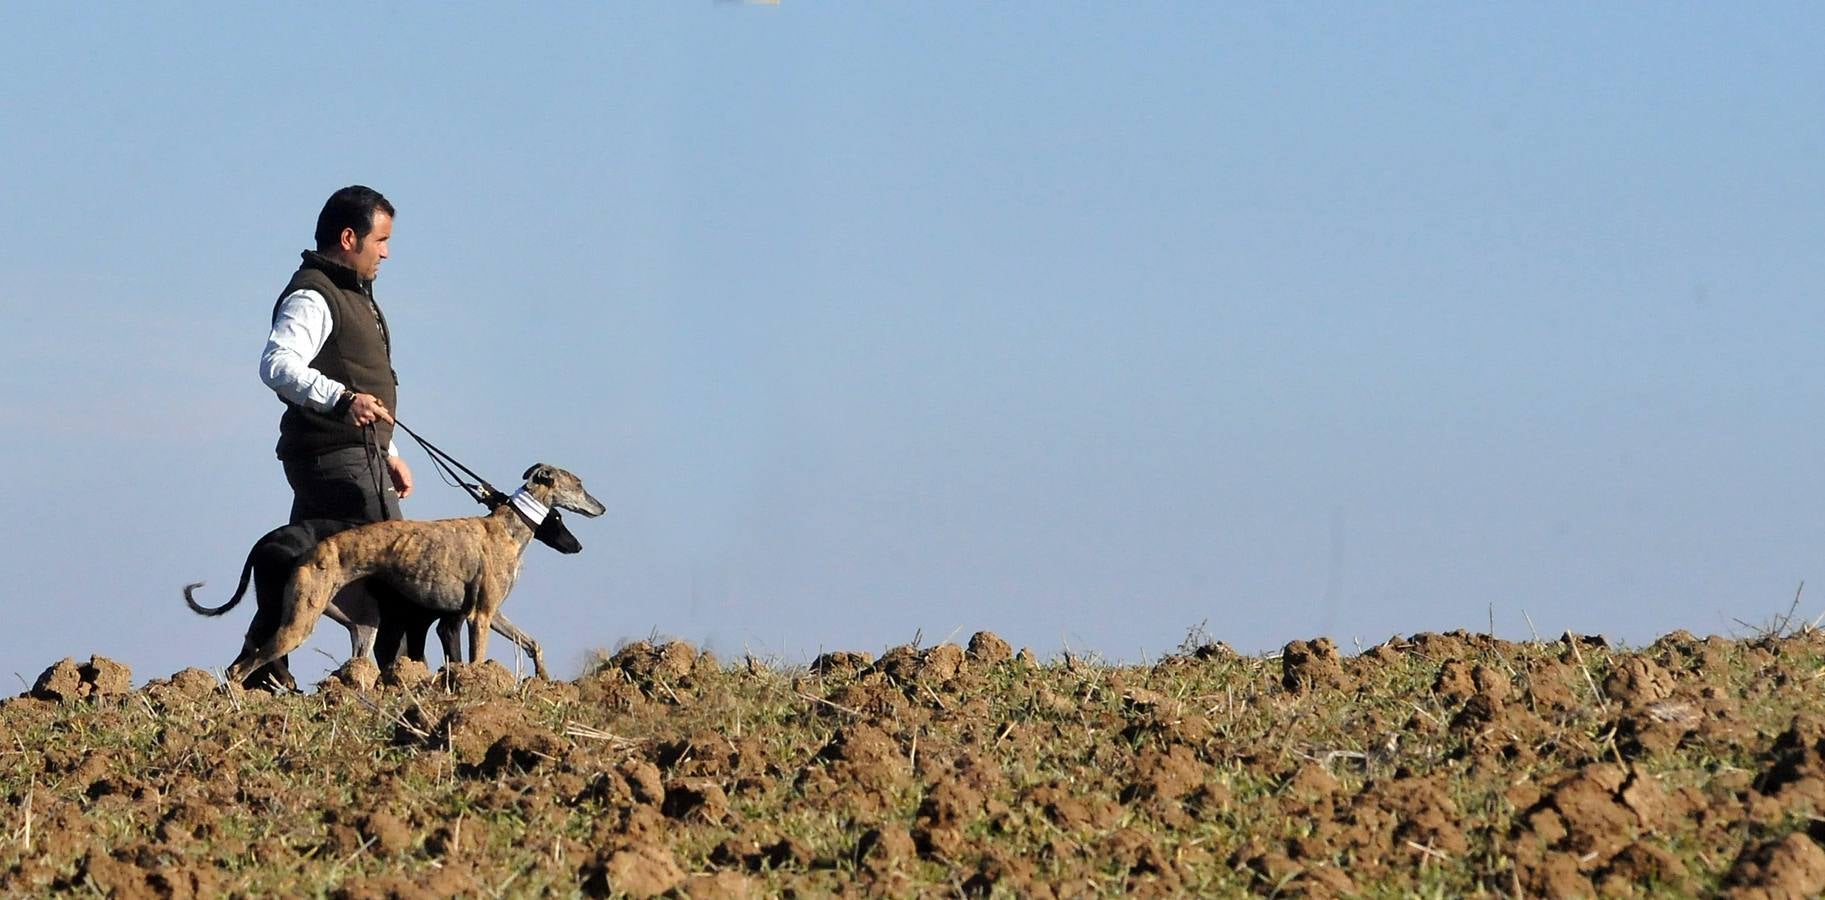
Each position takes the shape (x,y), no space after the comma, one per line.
(479,623)
(481,611)
(525,642)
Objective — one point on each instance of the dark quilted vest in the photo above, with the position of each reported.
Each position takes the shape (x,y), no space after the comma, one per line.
(358,353)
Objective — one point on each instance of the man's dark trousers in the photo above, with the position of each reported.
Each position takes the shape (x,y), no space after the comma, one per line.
(351,483)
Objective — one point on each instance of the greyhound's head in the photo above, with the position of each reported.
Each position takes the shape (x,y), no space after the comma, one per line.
(553,533)
(557,487)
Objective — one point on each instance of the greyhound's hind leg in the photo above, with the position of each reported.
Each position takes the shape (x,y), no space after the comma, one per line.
(275,674)
(306,597)
(356,609)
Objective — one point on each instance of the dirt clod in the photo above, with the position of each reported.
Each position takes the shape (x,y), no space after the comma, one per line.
(469,731)
(61,682)
(359,673)
(522,751)
(1311,665)
(643,870)
(405,672)
(839,662)
(68,680)
(388,834)
(696,800)
(644,663)
(1794,866)
(988,648)
(190,684)
(483,679)
(107,678)
(720,886)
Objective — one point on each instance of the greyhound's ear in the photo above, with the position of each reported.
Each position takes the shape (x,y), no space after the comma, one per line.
(537,473)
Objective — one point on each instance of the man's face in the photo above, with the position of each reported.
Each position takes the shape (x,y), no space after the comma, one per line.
(364,254)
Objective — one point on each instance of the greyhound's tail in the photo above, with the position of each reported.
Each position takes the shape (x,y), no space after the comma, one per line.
(239,591)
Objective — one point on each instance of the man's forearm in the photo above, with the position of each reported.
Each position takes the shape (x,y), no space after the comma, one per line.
(292,380)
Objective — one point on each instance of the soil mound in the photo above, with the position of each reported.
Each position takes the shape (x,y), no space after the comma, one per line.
(69,680)
(644,663)
(840,662)
(1442,764)
(405,672)
(1311,665)
(988,648)
(469,732)
(910,665)
(360,674)
(483,679)
(189,684)
(1793,866)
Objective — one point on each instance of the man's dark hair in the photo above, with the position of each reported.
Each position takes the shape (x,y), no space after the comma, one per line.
(351,207)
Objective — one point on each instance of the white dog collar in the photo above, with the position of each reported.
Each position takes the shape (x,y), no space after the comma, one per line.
(529,507)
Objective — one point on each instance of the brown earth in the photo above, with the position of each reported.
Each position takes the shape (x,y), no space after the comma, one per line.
(1441,764)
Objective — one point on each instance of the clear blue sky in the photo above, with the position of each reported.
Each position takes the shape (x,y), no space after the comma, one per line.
(1082,323)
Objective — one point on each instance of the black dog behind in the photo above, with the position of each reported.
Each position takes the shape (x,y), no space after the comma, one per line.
(280,551)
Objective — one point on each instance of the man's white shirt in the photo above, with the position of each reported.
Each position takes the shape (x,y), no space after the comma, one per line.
(299,331)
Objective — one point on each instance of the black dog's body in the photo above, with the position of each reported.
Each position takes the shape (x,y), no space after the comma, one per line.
(370,610)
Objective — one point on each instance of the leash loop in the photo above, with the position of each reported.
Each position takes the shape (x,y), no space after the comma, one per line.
(374,460)
(482,492)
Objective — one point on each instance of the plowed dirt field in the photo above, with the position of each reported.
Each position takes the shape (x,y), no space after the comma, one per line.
(1441,764)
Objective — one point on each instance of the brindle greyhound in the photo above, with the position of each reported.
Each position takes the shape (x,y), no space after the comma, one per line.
(463,566)
(358,608)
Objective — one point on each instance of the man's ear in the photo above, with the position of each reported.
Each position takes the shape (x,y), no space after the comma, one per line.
(349,241)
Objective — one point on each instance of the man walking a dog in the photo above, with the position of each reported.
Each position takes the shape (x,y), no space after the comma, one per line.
(329,358)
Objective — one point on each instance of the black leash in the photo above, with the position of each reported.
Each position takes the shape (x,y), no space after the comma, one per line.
(374,460)
(483,492)
(550,530)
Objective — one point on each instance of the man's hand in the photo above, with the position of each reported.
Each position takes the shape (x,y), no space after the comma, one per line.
(367,409)
(402,476)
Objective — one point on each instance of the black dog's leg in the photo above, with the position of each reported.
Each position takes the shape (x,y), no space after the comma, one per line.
(390,637)
(416,629)
(402,627)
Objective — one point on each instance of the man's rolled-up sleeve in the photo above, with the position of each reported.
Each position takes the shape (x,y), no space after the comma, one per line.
(299,330)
